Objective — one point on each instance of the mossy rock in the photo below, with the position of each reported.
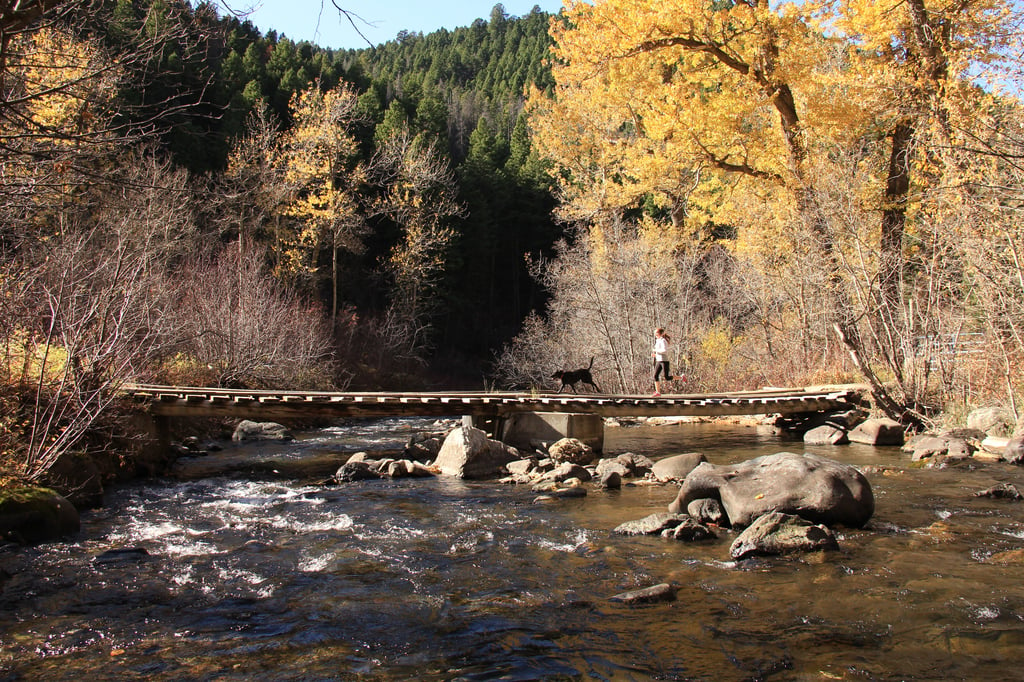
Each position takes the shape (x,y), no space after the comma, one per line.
(35,515)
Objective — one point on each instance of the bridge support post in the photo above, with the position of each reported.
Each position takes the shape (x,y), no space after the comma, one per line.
(525,430)
(157,429)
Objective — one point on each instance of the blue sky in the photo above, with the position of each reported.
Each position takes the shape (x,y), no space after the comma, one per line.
(319,22)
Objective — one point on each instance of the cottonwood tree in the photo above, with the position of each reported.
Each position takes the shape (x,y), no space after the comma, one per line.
(727,113)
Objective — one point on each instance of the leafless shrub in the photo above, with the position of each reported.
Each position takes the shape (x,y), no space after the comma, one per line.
(246,329)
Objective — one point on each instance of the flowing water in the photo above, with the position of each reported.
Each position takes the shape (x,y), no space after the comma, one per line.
(224,574)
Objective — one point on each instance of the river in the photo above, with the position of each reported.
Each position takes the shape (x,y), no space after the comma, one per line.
(226,575)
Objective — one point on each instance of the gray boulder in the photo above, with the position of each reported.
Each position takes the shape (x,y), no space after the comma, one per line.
(677,467)
(250,430)
(993,421)
(878,432)
(818,489)
(468,453)
(776,533)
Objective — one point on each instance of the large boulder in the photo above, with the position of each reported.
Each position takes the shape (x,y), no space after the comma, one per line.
(250,430)
(468,453)
(818,489)
(775,533)
(993,421)
(878,432)
(36,515)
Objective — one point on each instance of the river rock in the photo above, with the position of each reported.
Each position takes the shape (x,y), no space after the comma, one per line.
(653,524)
(993,421)
(706,510)
(250,430)
(1014,450)
(628,465)
(677,467)
(468,453)
(878,432)
(610,480)
(689,529)
(818,489)
(1003,491)
(940,446)
(565,471)
(33,516)
(356,470)
(826,434)
(776,533)
(571,450)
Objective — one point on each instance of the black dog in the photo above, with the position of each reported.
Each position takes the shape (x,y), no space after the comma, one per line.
(572,377)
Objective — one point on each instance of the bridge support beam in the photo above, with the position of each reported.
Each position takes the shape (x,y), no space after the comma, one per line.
(525,430)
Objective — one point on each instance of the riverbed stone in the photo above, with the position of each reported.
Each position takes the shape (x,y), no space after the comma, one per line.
(939,446)
(689,529)
(356,470)
(878,432)
(571,450)
(565,471)
(816,488)
(250,430)
(468,453)
(610,480)
(32,516)
(652,524)
(777,533)
(677,467)
(826,434)
(1003,491)
(706,510)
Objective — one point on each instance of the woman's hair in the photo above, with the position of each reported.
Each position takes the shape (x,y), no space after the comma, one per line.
(661,331)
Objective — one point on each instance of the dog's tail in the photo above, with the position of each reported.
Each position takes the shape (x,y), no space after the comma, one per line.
(591,365)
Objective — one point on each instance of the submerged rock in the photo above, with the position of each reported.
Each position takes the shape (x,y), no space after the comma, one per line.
(647,595)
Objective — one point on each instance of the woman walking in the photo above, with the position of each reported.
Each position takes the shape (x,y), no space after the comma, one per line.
(660,355)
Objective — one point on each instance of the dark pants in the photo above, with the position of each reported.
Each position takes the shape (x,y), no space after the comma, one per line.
(661,366)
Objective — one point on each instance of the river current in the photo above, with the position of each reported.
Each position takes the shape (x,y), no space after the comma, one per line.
(243,565)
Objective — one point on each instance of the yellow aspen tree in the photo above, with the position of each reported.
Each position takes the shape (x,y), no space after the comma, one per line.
(319,158)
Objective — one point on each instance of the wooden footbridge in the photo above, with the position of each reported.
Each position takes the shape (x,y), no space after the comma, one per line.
(495,410)
(177,401)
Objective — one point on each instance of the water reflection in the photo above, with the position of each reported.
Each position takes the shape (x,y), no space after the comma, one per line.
(270,578)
